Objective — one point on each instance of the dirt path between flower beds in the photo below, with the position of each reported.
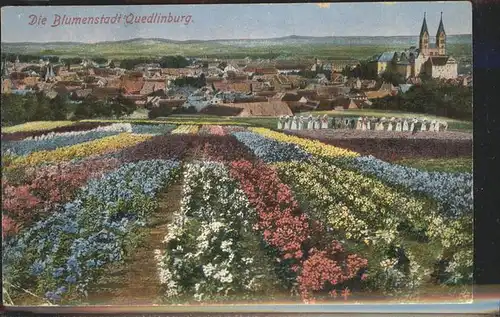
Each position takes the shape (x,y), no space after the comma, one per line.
(136,281)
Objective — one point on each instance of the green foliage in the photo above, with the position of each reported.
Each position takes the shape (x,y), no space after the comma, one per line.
(72,60)
(196,82)
(132,62)
(100,60)
(431,97)
(173,62)
(33,107)
(37,107)
(159,112)
(394,78)
(94,108)
(176,61)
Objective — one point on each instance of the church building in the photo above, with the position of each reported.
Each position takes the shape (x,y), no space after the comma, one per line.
(429,58)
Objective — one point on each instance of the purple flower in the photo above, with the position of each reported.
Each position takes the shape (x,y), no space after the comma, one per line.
(52,296)
(71,279)
(58,272)
(61,290)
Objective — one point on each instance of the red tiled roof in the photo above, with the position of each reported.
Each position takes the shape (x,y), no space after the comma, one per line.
(234,86)
(132,86)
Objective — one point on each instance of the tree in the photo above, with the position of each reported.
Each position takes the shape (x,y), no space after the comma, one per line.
(432,97)
(12,110)
(159,112)
(202,80)
(121,106)
(59,107)
(82,110)
(42,108)
(100,60)
(173,62)
(394,78)
(223,65)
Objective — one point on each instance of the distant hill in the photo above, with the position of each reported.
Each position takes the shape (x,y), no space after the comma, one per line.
(343,47)
(293,39)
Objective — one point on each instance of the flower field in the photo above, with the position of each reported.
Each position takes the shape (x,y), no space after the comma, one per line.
(245,212)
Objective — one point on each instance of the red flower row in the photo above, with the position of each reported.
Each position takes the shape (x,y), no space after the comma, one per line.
(44,187)
(288,229)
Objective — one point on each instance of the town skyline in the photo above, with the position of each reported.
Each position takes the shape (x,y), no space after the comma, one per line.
(239,22)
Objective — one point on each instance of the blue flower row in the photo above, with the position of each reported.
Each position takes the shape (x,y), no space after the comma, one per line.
(156,129)
(65,250)
(27,146)
(271,151)
(453,191)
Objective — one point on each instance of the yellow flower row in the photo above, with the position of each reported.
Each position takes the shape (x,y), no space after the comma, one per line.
(176,122)
(36,126)
(363,208)
(312,146)
(96,147)
(186,129)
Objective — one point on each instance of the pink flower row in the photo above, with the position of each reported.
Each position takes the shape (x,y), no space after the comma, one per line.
(45,187)
(287,228)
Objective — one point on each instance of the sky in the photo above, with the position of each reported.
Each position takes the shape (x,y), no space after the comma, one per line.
(235,21)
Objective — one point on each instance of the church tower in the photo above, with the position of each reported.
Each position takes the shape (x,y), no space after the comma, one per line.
(441,38)
(423,43)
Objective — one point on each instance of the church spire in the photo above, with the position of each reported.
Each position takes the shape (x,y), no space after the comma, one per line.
(441,26)
(424,29)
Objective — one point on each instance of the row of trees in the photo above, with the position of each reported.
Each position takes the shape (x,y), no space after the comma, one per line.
(18,109)
(165,62)
(176,61)
(27,58)
(94,108)
(432,97)
(197,82)
(33,107)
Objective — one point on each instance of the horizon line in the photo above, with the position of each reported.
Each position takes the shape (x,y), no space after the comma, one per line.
(225,39)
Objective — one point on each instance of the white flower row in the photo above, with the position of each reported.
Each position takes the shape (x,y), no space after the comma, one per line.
(210,239)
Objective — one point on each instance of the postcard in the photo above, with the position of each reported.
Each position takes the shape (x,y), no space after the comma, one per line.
(237,154)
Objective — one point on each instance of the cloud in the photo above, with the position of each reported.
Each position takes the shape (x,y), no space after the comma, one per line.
(323,5)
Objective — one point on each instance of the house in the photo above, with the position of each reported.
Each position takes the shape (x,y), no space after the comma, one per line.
(147,88)
(22,92)
(80,94)
(403,88)
(344,104)
(232,86)
(132,86)
(340,65)
(368,84)
(6,86)
(261,109)
(308,93)
(332,91)
(106,92)
(321,79)
(261,70)
(445,67)
(51,94)
(337,78)
(358,96)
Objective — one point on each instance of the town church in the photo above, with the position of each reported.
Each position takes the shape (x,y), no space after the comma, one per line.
(429,59)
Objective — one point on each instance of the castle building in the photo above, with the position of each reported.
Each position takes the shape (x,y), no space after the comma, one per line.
(429,58)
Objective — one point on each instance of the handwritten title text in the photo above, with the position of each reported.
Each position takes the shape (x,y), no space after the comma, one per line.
(130,18)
